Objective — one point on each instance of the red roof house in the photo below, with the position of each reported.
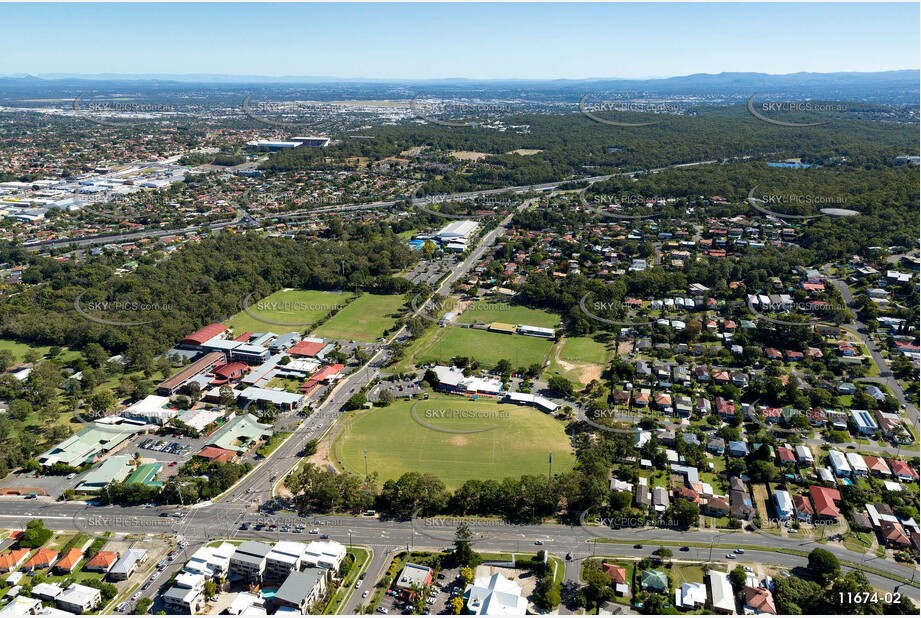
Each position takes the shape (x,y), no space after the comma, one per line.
(306,348)
(824,499)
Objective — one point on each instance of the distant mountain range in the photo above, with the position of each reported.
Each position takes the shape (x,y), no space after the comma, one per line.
(900,87)
(907,76)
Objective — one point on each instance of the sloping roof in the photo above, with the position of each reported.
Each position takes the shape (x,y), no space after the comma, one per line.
(760,599)
(214,453)
(204,334)
(306,348)
(824,500)
(654,579)
(102,560)
(618,574)
(41,558)
(69,560)
(12,558)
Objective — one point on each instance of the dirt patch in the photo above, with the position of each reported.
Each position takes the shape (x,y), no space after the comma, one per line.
(586,372)
(459,441)
(468,155)
(525,152)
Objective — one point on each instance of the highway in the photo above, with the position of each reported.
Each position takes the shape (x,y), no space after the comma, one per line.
(220,521)
(246,218)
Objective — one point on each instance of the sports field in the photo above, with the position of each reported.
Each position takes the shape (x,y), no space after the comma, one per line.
(581,359)
(19,350)
(287,311)
(497,311)
(486,347)
(517,444)
(365,319)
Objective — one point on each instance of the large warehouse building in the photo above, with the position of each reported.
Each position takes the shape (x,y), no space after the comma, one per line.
(457,232)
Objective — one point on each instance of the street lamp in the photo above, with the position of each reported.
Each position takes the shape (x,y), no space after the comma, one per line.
(366,463)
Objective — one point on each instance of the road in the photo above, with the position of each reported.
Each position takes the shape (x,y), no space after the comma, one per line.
(885,373)
(245,218)
(219,521)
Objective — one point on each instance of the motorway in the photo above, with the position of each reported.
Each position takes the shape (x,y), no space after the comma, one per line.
(245,218)
(221,519)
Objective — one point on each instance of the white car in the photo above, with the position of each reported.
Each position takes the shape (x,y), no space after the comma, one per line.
(364,595)
(136,596)
(730,557)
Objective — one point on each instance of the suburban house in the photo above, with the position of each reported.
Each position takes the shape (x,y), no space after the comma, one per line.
(759,600)
(824,499)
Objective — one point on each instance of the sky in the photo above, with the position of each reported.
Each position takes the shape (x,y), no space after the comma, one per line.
(478,41)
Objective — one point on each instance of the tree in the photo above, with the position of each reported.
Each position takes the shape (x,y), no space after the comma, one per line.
(228,398)
(32,356)
(683,514)
(738,576)
(560,385)
(824,564)
(19,409)
(463,550)
(466,575)
(95,355)
(386,397)
(7,360)
(356,402)
(210,589)
(457,605)
(101,403)
(143,606)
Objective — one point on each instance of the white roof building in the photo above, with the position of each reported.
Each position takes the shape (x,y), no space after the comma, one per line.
(454,378)
(495,596)
(324,554)
(691,595)
(804,454)
(211,561)
(721,591)
(839,463)
(857,464)
(151,409)
(456,231)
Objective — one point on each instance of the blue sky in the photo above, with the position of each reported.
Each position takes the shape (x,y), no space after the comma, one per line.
(458,40)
